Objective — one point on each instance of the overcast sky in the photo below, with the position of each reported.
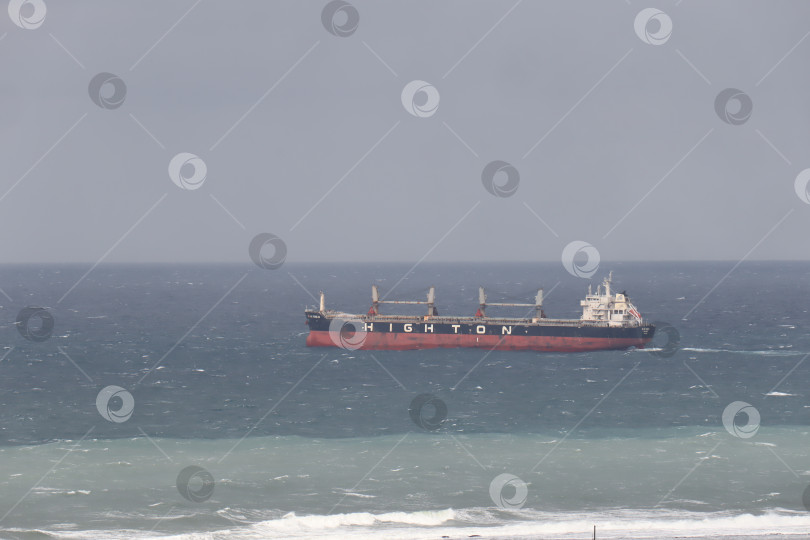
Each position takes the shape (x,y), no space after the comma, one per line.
(612,127)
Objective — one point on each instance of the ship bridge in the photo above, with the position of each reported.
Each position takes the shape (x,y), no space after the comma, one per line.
(608,307)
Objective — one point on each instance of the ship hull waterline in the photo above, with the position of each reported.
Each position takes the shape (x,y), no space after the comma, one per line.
(405,342)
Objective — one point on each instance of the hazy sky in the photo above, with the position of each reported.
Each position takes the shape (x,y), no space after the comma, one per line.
(612,128)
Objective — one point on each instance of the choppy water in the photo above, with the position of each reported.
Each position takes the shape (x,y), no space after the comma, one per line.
(317,443)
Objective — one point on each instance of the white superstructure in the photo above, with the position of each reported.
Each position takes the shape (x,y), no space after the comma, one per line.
(613,308)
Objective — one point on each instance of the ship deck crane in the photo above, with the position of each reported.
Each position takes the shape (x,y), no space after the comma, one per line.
(482,304)
(430,303)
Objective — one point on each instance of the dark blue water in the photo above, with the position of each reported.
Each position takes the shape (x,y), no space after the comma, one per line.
(236,363)
(206,366)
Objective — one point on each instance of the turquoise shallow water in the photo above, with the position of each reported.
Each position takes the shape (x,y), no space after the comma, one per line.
(285,486)
(320,443)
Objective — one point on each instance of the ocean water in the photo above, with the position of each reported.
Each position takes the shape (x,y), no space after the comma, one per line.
(222,424)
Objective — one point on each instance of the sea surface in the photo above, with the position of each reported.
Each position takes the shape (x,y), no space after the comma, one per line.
(180,402)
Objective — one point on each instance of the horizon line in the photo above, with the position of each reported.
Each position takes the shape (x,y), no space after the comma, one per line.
(240,263)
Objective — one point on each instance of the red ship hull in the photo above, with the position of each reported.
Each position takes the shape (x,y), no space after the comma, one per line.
(403,342)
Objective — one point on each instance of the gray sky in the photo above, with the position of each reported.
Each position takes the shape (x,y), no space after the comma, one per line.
(632,155)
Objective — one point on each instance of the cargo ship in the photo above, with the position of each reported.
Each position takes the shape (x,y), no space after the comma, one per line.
(608,321)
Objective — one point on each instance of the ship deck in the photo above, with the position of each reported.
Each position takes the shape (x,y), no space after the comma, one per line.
(477,320)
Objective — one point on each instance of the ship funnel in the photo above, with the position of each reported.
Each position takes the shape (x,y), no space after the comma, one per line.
(482,302)
(323,304)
